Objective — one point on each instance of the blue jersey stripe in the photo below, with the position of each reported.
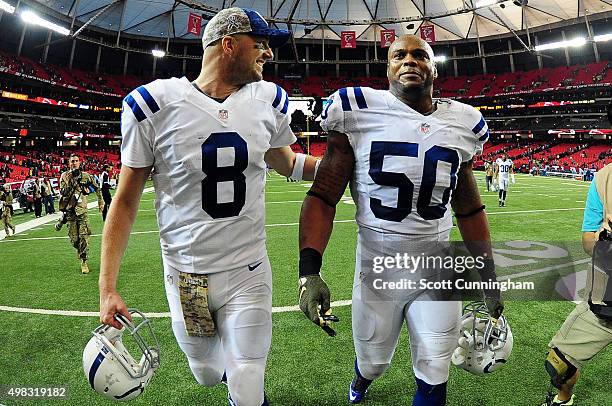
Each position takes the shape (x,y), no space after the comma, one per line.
(478,127)
(140,115)
(485,136)
(153,106)
(346,105)
(94,368)
(361,101)
(285,106)
(279,95)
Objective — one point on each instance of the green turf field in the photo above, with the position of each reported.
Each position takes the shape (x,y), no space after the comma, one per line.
(40,271)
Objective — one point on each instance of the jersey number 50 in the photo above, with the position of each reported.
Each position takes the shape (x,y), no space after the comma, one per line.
(405,187)
(216,174)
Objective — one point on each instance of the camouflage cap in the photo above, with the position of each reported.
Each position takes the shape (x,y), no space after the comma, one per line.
(236,20)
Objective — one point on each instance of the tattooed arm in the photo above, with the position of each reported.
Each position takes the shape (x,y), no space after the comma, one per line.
(319,207)
(316,223)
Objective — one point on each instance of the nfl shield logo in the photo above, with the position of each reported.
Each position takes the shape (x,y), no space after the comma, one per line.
(424,128)
(223,115)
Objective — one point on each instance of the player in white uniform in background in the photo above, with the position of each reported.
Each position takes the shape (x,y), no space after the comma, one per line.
(408,158)
(207,144)
(504,172)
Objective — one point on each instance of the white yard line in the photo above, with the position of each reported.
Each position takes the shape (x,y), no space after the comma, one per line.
(77,313)
(280,309)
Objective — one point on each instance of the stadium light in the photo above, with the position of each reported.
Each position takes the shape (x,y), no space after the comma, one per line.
(440,58)
(485,3)
(576,42)
(4,6)
(602,38)
(158,53)
(31,18)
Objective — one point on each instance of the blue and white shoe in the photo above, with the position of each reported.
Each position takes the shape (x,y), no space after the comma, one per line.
(355,396)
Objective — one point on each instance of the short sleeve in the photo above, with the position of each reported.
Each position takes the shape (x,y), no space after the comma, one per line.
(137,142)
(479,128)
(593,212)
(280,107)
(284,135)
(332,117)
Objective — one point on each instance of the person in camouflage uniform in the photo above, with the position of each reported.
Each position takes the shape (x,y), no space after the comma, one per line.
(6,201)
(75,186)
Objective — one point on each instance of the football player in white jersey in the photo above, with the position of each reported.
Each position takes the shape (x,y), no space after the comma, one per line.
(206,144)
(504,170)
(408,158)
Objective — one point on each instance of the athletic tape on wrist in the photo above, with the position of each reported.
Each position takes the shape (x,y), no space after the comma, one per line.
(298,167)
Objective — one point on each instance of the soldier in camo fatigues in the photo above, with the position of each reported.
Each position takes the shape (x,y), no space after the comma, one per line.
(6,201)
(75,186)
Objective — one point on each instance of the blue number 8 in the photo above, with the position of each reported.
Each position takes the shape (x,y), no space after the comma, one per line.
(216,174)
(405,186)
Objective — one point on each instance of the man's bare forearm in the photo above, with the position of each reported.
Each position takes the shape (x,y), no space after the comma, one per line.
(316,224)
(115,236)
(118,226)
(471,218)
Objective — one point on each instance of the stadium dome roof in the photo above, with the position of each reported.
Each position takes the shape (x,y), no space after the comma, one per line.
(453,19)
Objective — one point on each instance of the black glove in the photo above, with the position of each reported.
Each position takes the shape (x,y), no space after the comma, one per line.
(495,306)
(314,295)
(492,297)
(314,302)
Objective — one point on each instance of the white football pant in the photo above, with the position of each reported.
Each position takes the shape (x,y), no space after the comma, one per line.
(433,327)
(240,302)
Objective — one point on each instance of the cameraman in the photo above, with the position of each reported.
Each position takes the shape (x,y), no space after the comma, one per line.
(588,328)
(75,185)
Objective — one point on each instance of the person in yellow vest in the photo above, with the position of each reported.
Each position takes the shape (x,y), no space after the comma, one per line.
(588,328)
(6,202)
(489,172)
(75,185)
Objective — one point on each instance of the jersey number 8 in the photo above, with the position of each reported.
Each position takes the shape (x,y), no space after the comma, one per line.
(216,174)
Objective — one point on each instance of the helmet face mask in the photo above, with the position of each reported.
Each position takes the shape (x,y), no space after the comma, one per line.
(111,369)
(484,343)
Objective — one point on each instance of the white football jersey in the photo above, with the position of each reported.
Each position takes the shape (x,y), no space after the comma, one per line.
(504,167)
(208,167)
(406,163)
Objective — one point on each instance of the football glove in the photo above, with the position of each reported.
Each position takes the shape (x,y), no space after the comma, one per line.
(314,299)
(493,300)
(512,178)
(495,306)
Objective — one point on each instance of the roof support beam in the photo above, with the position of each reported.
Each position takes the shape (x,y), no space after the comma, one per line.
(510,29)
(98,14)
(121,21)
